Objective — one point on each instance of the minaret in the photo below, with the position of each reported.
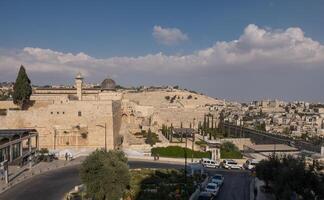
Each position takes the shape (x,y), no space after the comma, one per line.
(78,85)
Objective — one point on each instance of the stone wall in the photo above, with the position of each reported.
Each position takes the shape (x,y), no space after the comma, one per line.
(70,124)
(7,105)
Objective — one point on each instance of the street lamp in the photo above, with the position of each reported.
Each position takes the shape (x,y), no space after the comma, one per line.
(105,127)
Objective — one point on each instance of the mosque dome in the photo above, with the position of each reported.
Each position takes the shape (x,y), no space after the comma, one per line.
(108,84)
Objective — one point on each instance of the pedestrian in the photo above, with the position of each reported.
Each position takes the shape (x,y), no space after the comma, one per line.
(66,156)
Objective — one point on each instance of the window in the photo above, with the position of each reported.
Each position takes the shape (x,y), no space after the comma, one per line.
(63,113)
(58,112)
(51,113)
(79,114)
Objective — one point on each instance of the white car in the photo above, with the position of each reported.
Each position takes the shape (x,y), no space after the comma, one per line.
(250,164)
(231,164)
(212,188)
(209,163)
(218,179)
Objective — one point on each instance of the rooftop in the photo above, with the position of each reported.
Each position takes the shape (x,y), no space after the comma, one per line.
(9,133)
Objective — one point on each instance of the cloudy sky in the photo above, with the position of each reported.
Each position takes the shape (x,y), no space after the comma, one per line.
(229,50)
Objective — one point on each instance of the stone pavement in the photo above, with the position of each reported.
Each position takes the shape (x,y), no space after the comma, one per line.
(19,174)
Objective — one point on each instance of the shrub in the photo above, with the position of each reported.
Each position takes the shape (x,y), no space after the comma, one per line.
(229,151)
(201,143)
(151,138)
(105,174)
(179,152)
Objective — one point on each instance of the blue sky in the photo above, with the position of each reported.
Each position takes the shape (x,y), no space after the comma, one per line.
(103,30)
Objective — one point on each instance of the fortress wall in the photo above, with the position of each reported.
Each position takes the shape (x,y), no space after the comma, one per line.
(49,97)
(55,118)
(7,105)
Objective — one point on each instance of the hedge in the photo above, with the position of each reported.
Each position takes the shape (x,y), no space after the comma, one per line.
(229,151)
(231,155)
(178,152)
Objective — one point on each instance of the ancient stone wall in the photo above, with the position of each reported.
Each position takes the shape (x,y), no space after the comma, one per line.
(70,124)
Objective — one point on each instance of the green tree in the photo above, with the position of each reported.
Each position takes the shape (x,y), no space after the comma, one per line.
(22,88)
(289,175)
(266,169)
(261,126)
(150,138)
(229,150)
(105,175)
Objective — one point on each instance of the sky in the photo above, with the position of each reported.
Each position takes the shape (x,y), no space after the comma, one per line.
(235,50)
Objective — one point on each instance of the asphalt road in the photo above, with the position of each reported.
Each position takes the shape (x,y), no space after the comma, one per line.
(236,184)
(53,185)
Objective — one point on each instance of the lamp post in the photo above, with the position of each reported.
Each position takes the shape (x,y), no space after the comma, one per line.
(105,127)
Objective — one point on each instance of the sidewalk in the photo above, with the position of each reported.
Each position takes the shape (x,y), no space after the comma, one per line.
(19,174)
(162,159)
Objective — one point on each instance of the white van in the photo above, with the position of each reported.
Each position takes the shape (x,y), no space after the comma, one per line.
(231,164)
(250,164)
(209,163)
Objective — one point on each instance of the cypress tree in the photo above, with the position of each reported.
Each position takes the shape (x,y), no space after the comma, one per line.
(212,126)
(22,88)
(204,125)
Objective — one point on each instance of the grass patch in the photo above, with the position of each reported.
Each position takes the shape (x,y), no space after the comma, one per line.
(178,152)
(231,155)
(229,151)
(201,143)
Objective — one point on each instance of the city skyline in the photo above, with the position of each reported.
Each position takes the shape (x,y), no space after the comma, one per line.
(244,52)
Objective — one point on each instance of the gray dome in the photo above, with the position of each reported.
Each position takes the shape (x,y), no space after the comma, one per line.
(108,84)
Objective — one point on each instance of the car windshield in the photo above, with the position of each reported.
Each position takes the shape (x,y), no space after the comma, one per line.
(212,187)
(232,163)
(217,177)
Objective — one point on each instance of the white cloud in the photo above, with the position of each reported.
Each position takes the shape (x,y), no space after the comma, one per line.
(255,49)
(168,36)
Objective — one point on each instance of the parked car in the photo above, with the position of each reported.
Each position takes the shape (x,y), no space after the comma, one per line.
(250,164)
(206,196)
(209,163)
(218,179)
(212,188)
(231,164)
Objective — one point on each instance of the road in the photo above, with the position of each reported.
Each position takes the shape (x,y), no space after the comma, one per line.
(236,184)
(53,185)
